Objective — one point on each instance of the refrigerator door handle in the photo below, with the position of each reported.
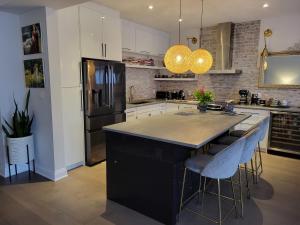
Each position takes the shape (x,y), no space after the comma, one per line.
(85,94)
(108,84)
(112,86)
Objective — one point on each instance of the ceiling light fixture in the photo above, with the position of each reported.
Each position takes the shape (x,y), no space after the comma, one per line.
(177,56)
(201,60)
(266,5)
(150,7)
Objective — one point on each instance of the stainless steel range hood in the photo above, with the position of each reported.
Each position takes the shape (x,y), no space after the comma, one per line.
(224,50)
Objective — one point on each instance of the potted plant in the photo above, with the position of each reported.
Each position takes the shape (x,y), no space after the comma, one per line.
(203,97)
(19,136)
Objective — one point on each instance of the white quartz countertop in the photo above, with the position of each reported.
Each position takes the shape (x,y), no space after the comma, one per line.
(188,128)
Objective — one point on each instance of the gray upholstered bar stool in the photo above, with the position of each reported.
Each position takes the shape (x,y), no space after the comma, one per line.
(219,167)
(251,140)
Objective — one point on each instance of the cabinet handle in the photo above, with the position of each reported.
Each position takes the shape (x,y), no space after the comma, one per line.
(80,74)
(105,50)
(145,52)
(81,101)
(116,162)
(102,49)
(128,49)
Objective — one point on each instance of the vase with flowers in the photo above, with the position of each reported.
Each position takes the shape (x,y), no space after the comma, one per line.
(204,98)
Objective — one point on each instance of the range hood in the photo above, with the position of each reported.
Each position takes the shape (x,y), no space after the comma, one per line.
(223,59)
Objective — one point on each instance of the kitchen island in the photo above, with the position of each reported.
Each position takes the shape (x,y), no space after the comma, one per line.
(145,158)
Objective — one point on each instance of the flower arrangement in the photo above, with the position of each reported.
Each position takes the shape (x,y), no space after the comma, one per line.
(203,97)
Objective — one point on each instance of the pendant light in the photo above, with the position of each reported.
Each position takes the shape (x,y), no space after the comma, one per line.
(265,52)
(177,57)
(201,60)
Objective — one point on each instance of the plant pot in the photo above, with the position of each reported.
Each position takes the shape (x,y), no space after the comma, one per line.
(202,107)
(17,149)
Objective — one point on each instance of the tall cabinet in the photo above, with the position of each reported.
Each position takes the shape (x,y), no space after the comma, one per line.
(92,31)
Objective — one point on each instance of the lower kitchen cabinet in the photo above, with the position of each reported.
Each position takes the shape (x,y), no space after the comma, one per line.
(256,117)
(73,127)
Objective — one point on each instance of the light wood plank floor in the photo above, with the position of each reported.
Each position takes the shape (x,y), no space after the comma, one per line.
(80,199)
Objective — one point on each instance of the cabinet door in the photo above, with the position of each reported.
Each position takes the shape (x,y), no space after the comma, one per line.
(128,36)
(112,38)
(91,26)
(144,41)
(73,127)
(161,43)
(69,41)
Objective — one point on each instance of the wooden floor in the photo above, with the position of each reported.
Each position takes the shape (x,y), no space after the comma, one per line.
(81,199)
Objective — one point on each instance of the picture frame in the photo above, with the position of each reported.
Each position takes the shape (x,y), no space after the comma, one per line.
(32,39)
(34,73)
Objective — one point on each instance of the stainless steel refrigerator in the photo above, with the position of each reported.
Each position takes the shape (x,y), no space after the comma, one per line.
(104,103)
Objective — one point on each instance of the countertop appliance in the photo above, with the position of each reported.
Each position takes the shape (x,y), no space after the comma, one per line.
(181,95)
(255,99)
(104,103)
(163,95)
(244,95)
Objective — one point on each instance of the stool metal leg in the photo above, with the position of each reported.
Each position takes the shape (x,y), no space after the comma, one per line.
(256,167)
(28,162)
(241,193)
(253,175)
(234,197)
(33,163)
(203,192)
(219,201)
(199,190)
(247,181)
(8,162)
(16,169)
(260,159)
(182,191)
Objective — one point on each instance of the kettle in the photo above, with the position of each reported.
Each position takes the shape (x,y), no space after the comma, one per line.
(181,95)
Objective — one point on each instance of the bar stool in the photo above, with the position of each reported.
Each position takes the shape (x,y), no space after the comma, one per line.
(221,166)
(251,140)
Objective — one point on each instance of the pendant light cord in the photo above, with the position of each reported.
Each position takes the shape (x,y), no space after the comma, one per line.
(179,23)
(201,28)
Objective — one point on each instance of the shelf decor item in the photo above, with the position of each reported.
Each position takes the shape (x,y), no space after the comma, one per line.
(177,56)
(204,98)
(20,146)
(201,60)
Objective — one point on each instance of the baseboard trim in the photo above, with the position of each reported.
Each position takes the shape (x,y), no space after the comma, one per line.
(54,176)
(75,165)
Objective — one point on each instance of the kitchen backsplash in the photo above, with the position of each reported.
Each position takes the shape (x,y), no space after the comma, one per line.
(245,57)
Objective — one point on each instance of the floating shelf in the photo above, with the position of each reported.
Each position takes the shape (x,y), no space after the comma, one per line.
(145,67)
(175,79)
(232,71)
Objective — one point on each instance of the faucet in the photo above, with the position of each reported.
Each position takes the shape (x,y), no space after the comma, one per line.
(131,88)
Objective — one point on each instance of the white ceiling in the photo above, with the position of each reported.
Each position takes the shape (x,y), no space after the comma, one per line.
(21,6)
(164,16)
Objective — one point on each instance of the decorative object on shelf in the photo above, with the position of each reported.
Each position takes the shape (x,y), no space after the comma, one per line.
(193,39)
(177,56)
(20,146)
(31,37)
(138,61)
(265,52)
(204,98)
(201,60)
(34,73)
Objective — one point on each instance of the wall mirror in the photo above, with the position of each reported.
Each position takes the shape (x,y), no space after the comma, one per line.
(280,70)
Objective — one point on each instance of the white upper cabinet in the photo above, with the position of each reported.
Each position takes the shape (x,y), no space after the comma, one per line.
(112,38)
(144,40)
(100,30)
(69,43)
(91,27)
(128,36)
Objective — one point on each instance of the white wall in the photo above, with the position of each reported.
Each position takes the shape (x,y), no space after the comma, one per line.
(286,32)
(11,75)
(45,102)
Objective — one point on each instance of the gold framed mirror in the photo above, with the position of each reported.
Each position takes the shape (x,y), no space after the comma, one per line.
(280,70)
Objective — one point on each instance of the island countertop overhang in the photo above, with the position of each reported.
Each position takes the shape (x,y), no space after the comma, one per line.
(186,128)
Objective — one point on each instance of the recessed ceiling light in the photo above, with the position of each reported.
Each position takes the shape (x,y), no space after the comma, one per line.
(180,20)
(266,5)
(150,7)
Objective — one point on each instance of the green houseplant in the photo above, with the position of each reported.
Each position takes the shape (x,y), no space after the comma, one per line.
(18,133)
(203,97)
